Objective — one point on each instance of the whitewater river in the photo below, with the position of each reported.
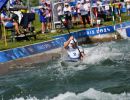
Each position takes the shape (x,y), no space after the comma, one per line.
(103,75)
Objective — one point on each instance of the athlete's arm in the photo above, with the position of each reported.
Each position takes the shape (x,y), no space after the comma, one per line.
(67,42)
(82,54)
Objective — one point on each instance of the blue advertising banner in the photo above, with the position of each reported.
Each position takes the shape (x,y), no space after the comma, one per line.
(3,3)
(16,53)
(128,31)
(95,31)
(122,25)
(89,32)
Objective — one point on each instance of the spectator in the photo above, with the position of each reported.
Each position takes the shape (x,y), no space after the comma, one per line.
(87,8)
(60,11)
(99,6)
(67,13)
(48,16)
(15,2)
(19,2)
(101,12)
(84,13)
(117,7)
(9,22)
(43,20)
(128,6)
(78,5)
(74,14)
(43,3)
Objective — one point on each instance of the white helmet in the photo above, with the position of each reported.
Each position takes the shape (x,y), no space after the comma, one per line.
(73,41)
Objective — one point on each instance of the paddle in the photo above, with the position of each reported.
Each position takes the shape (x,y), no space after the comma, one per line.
(66,26)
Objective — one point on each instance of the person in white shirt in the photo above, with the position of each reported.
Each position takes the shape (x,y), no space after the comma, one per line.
(84,13)
(60,11)
(67,13)
(78,5)
(74,51)
(99,6)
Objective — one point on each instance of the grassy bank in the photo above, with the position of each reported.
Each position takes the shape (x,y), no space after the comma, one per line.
(48,36)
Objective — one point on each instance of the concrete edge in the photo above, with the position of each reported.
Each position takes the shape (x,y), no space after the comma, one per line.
(27,61)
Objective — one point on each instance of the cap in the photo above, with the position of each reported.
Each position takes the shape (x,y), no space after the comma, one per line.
(73,41)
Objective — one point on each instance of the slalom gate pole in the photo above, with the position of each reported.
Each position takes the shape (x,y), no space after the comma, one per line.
(127,10)
(91,12)
(119,7)
(113,19)
(97,21)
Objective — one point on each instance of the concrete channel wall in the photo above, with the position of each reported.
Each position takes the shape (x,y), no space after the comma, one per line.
(28,61)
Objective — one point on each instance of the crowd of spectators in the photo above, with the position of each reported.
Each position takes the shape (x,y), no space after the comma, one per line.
(79,11)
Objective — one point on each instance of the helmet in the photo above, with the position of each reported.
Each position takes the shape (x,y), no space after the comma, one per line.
(73,41)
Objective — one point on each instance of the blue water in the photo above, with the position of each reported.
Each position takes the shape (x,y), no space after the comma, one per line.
(103,75)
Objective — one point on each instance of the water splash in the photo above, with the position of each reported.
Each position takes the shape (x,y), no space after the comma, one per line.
(101,52)
(90,94)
